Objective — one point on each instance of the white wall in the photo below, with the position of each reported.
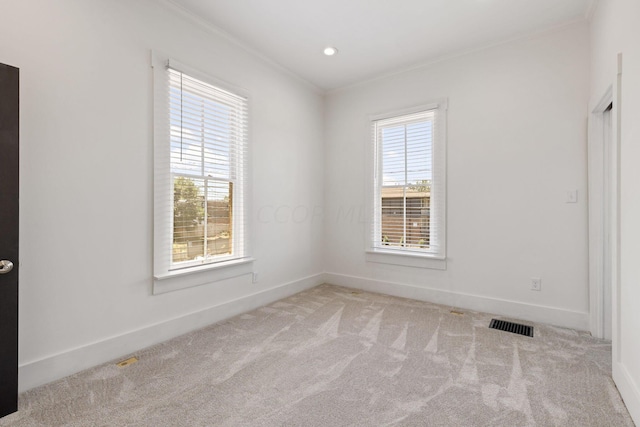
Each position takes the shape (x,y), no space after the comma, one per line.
(86,179)
(614,29)
(516,144)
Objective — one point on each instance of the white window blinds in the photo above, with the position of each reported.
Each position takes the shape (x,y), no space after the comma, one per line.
(200,174)
(409,183)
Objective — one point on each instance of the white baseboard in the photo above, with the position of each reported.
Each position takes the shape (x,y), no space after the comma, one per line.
(628,389)
(54,367)
(518,310)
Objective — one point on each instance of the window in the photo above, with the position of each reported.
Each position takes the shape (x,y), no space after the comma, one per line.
(408,215)
(200,173)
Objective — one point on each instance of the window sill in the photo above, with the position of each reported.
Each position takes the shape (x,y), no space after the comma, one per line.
(201,275)
(406,259)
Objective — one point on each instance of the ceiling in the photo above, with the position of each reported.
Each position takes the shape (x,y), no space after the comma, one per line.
(376,37)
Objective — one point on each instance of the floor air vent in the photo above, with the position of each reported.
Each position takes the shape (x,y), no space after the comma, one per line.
(514,328)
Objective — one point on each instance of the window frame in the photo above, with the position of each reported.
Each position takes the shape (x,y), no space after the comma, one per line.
(168,276)
(401,256)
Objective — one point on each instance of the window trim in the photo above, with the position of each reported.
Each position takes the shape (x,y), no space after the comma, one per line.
(166,277)
(405,257)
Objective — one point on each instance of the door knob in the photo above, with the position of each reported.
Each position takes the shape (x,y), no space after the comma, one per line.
(5,266)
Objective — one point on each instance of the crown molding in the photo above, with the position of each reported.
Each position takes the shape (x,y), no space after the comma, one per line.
(219,32)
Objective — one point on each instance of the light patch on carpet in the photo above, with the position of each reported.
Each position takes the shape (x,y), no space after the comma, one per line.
(320,382)
(401,342)
(518,399)
(416,406)
(330,327)
(253,353)
(469,372)
(372,329)
(432,346)
(490,395)
(555,411)
(392,373)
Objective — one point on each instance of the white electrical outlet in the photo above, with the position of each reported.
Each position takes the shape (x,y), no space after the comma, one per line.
(536,284)
(254,278)
(572,196)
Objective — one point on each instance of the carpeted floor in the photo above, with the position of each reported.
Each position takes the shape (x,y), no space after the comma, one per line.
(332,356)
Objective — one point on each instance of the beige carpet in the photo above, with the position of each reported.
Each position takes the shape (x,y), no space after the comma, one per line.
(332,356)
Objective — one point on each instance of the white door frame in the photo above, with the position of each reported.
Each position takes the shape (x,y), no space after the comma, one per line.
(603,212)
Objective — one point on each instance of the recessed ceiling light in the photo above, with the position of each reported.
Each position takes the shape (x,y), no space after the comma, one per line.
(330,51)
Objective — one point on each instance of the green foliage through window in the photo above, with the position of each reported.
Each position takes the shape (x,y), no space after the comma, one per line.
(188,207)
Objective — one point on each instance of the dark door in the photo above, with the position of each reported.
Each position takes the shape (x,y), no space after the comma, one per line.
(9,151)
